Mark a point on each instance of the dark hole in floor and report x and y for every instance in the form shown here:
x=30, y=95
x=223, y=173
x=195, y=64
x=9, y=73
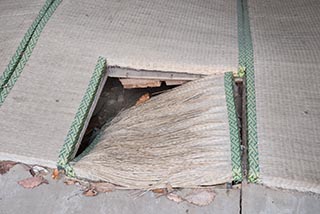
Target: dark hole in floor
x=113, y=99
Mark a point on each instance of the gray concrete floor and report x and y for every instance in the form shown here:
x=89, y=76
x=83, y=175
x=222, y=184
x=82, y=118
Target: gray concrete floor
x=263, y=200
x=56, y=197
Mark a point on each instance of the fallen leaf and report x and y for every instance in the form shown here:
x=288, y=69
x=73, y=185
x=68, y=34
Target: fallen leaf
x=5, y=166
x=32, y=182
x=90, y=192
x=55, y=174
x=103, y=187
x=174, y=197
x=70, y=182
x=160, y=191
x=143, y=99
x=200, y=197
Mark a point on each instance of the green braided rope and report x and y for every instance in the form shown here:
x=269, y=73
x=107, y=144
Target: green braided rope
x=77, y=125
x=26, y=46
x=233, y=128
x=19, y=52
x=246, y=64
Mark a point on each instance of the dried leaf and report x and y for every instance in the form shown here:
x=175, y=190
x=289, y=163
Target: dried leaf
x=32, y=182
x=90, y=192
x=103, y=187
x=5, y=166
x=200, y=197
x=55, y=174
x=174, y=197
x=143, y=99
x=70, y=182
x=160, y=191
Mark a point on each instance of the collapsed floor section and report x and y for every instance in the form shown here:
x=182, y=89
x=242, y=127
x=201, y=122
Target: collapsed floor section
x=179, y=138
x=119, y=94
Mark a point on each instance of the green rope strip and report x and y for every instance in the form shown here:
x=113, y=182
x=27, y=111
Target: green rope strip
x=77, y=125
x=233, y=128
x=19, y=52
x=25, y=48
x=246, y=64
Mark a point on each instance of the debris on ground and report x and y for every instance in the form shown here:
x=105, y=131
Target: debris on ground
x=175, y=197
x=38, y=170
x=143, y=99
x=199, y=197
x=95, y=188
x=30, y=183
x=103, y=187
x=160, y=191
x=5, y=166
x=71, y=182
x=90, y=192
x=163, y=191
x=55, y=174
